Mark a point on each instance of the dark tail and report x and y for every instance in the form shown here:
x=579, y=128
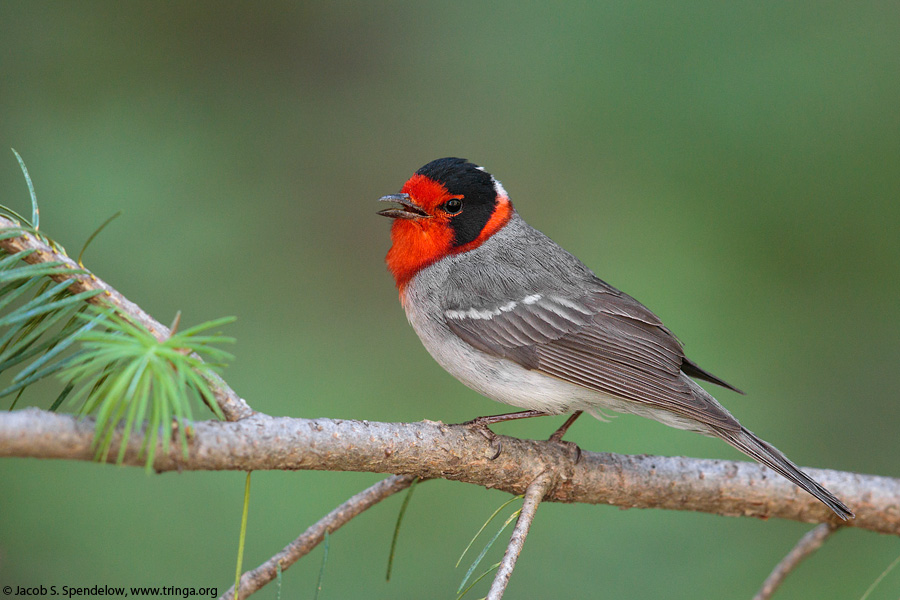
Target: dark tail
x=693, y=369
x=769, y=455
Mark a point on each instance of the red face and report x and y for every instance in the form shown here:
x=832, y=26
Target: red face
x=449, y=206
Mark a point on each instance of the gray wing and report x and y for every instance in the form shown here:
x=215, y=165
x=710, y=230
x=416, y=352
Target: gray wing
x=603, y=340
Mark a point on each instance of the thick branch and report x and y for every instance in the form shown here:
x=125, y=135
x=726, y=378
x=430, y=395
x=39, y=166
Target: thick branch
x=232, y=405
x=432, y=450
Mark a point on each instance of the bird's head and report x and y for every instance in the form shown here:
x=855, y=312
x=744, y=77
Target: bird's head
x=447, y=207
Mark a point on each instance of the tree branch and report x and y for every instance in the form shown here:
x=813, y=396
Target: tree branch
x=533, y=496
x=808, y=544
x=434, y=450
x=232, y=405
x=542, y=470
x=254, y=580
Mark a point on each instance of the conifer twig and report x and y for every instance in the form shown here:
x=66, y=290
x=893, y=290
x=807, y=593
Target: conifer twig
x=233, y=406
x=808, y=544
x=252, y=581
x=533, y=496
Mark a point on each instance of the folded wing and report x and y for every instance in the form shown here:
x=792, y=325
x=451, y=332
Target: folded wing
x=603, y=340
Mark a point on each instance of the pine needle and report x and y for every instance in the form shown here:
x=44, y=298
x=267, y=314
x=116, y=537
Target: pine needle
x=475, y=564
x=490, y=570
x=880, y=577
x=242, y=540
x=486, y=523
x=35, y=213
x=321, y=577
x=95, y=234
x=402, y=512
x=126, y=376
x=278, y=581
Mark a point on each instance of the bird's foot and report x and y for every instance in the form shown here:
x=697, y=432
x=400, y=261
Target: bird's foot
x=573, y=448
x=480, y=424
x=557, y=436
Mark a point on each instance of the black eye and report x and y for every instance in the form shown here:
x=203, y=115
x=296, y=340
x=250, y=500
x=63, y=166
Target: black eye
x=453, y=206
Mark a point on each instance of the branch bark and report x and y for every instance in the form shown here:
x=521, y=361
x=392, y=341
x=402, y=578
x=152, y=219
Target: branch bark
x=431, y=450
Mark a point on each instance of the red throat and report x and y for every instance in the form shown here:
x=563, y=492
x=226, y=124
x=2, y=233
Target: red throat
x=421, y=242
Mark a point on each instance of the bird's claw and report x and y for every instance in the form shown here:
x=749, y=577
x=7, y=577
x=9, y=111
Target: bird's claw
x=574, y=448
x=478, y=425
x=496, y=443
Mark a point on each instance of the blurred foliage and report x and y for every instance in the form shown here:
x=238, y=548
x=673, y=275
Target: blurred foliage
x=736, y=167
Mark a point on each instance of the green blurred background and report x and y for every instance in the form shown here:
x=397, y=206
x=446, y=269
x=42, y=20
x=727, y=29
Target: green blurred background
x=735, y=166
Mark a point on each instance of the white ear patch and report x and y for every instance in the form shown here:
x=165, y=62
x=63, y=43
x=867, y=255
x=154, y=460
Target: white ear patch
x=498, y=187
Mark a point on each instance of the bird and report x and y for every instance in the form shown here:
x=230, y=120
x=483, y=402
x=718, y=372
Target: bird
x=515, y=317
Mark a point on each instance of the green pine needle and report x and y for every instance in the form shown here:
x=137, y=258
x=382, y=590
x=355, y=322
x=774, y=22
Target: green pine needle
x=475, y=564
x=62, y=396
x=35, y=213
x=33, y=225
x=14, y=216
x=37, y=320
x=278, y=578
x=113, y=368
x=402, y=512
x=30, y=339
x=490, y=570
x=884, y=574
x=45, y=269
x=321, y=578
x=127, y=377
x=243, y=539
x=56, y=346
x=95, y=234
x=486, y=523
x=10, y=260
x=16, y=400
